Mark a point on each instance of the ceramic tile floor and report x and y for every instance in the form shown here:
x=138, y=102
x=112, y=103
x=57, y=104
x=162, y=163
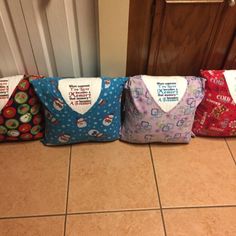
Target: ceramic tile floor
x=118, y=189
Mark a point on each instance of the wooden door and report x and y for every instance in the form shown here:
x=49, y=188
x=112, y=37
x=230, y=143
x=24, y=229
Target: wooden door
x=179, y=37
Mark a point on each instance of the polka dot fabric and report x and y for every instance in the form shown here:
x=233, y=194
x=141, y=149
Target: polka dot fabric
x=21, y=118
x=63, y=125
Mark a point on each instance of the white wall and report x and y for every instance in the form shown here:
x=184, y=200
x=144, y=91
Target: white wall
x=49, y=37
x=67, y=38
x=113, y=34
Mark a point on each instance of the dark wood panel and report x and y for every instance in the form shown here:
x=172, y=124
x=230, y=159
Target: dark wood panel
x=140, y=26
x=224, y=38
x=230, y=60
x=193, y=1
x=181, y=37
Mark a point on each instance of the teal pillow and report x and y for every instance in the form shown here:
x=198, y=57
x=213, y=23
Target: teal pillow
x=80, y=109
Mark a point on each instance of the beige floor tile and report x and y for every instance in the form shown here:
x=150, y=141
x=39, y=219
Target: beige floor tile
x=111, y=176
x=116, y=224
x=197, y=174
x=42, y=226
x=33, y=179
x=232, y=145
x=201, y=222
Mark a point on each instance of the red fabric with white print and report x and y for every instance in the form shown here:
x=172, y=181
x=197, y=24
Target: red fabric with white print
x=216, y=115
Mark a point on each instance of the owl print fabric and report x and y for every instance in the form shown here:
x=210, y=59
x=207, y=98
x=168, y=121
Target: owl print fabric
x=216, y=115
x=160, y=109
x=80, y=109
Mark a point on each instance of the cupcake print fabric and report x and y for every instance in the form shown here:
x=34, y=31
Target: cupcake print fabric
x=21, y=116
x=161, y=109
x=80, y=109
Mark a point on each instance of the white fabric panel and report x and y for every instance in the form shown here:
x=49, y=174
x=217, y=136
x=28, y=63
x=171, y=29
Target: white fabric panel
x=80, y=93
x=167, y=91
x=230, y=77
x=7, y=86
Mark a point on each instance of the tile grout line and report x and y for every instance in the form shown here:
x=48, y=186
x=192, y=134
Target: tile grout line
x=158, y=192
x=113, y=211
x=29, y=216
x=116, y=211
x=68, y=188
x=230, y=151
x=198, y=207
x=80, y=213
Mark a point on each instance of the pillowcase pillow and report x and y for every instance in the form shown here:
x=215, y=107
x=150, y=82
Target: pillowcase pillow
x=216, y=115
x=160, y=109
x=21, y=116
x=80, y=109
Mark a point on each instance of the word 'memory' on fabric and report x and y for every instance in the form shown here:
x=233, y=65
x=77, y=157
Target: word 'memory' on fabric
x=167, y=92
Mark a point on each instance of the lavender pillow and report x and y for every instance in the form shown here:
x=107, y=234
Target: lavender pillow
x=160, y=108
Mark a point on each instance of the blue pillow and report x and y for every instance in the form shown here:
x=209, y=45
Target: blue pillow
x=80, y=109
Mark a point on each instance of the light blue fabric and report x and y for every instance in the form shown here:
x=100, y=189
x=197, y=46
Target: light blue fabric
x=62, y=126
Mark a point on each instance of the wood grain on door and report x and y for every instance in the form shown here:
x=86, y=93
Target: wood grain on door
x=175, y=37
x=140, y=28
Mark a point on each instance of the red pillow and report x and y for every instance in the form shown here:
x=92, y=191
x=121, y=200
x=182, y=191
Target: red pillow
x=20, y=110
x=216, y=115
